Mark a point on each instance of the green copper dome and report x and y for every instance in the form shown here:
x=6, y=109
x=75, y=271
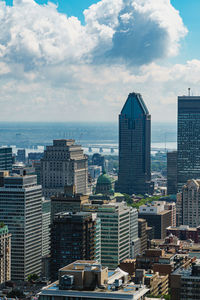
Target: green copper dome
x=104, y=179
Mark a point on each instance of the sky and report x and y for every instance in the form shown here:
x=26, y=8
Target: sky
x=77, y=60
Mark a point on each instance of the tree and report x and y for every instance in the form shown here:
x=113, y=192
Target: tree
x=32, y=277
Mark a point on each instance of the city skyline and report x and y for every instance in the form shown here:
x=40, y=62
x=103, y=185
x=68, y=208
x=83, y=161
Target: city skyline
x=60, y=66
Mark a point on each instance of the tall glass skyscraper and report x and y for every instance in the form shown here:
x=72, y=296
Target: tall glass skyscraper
x=134, y=147
x=188, y=161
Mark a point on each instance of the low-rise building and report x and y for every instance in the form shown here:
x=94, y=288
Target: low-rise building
x=158, y=284
x=90, y=280
x=184, y=232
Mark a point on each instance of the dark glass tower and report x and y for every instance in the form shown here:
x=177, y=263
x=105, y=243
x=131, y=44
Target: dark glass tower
x=188, y=164
x=134, y=147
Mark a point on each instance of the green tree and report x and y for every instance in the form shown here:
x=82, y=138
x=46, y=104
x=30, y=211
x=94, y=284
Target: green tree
x=32, y=277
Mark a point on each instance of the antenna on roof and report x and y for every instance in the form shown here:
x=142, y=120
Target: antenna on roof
x=189, y=91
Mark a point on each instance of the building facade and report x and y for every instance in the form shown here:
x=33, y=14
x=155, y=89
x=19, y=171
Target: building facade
x=188, y=159
x=134, y=147
x=90, y=280
x=172, y=173
x=191, y=203
x=6, y=159
x=184, y=233
x=64, y=164
x=73, y=236
x=5, y=254
x=46, y=222
x=69, y=201
x=21, y=211
x=119, y=232
x=157, y=217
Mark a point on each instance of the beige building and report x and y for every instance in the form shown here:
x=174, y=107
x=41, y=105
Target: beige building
x=5, y=254
x=191, y=203
x=68, y=201
x=64, y=164
x=90, y=280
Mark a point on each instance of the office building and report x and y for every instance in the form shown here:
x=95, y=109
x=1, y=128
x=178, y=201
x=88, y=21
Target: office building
x=64, y=164
x=185, y=282
x=6, y=159
x=90, y=280
x=21, y=211
x=188, y=160
x=119, y=232
x=69, y=201
x=134, y=147
x=142, y=234
x=179, y=211
x=5, y=254
x=46, y=222
x=21, y=155
x=94, y=171
x=172, y=173
x=99, y=160
x=72, y=237
x=191, y=203
x=157, y=217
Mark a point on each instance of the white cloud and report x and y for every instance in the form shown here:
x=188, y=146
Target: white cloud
x=131, y=30
x=54, y=68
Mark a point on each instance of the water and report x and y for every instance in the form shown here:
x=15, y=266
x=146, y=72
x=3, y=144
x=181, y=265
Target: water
x=95, y=135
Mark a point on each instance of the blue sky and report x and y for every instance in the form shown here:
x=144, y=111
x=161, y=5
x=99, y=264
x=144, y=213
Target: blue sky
x=53, y=68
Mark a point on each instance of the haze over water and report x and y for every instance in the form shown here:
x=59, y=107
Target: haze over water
x=29, y=135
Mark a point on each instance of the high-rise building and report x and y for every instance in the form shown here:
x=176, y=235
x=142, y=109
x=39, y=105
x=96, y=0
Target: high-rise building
x=191, y=203
x=6, y=159
x=5, y=254
x=69, y=201
x=142, y=233
x=46, y=222
x=134, y=147
x=119, y=232
x=157, y=217
x=64, y=164
x=21, y=155
x=72, y=237
x=21, y=211
x=188, y=160
x=172, y=173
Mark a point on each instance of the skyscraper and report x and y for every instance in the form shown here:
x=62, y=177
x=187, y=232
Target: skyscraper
x=21, y=211
x=72, y=237
x=134, y=147
x=191, y=203
x=188, y=164
x=172, y=172
x=6, y=158
x=119, y=231
x=64, y=164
